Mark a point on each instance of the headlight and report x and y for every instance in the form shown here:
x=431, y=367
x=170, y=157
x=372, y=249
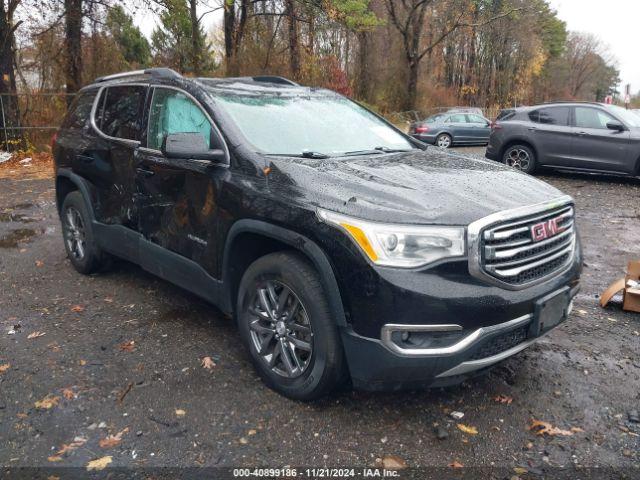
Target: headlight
x=406, y=246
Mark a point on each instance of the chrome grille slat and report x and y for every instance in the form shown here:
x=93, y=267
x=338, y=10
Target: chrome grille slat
x=518, y=270
x=508, y=253
x=498, y=252
x=499, y=233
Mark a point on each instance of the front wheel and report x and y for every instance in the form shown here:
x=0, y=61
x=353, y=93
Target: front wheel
x=444, y=140
x=285, y=322
x=79, y=241
x=520, y=157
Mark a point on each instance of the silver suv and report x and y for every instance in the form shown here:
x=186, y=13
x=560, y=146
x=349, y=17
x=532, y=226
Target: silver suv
x=570, y=136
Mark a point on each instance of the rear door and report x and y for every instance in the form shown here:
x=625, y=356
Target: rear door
x=595, y=146
x=480, y=128
x=551, y=134
x=178, y=198
x=109, y=163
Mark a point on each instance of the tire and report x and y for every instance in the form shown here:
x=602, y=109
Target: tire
x=520, y=157
x=79, y=240
x=296, y=373
x=444, y=140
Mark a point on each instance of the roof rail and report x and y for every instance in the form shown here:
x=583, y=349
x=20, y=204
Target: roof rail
x=571, y=101
x=158, y=72
x=275, y=79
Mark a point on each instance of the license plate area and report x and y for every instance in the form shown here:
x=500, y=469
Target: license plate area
x=549, y=312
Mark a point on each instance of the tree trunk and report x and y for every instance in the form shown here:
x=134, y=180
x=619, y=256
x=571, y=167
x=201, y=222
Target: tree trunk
x=364, y=66
x=294, y=43
x=73, y=46
x=196, y=47
x=10, y=109
x=229, y=21
x=412, y=85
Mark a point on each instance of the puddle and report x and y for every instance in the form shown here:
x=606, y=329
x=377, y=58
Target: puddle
x=15, y=217
x=15, y=237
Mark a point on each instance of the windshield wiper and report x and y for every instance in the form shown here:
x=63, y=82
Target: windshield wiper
x=373, y=151
x=305, y=154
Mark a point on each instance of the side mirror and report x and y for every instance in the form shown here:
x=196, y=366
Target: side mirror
x=190, y=146
x=616, y=126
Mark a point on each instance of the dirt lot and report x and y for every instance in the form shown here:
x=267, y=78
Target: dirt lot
x=110, y=366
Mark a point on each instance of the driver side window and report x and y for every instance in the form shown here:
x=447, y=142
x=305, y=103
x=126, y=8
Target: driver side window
x=174, y=112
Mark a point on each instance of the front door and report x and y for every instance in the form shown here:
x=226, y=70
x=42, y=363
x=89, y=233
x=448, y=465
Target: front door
x=480, y=128
x=178, y=197
x=597, y=147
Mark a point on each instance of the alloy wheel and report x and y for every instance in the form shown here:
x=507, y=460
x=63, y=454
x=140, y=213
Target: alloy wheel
x=280, y=329
x=444, y=141
x=518, y=159
x=74, y=233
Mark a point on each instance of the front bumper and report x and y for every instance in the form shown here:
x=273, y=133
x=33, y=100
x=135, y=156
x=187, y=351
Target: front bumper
x=379, y=364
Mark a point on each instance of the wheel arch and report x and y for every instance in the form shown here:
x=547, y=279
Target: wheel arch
x=67, y=182
x=250, y=239
x=518, y=141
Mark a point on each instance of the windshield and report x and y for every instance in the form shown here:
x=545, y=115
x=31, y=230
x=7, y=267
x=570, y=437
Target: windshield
x=629, y=118
x=292, y=125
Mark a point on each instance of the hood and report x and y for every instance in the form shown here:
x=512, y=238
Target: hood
x=417, y=187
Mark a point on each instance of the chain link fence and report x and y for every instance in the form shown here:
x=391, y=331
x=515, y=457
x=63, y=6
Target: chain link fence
x=28, y=120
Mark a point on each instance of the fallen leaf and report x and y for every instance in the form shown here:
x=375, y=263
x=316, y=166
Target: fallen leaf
x=113, y=440
x=99, y=464
x=251, y=432
x=47, y=402
x=456, y=464
x=127, y=346
x=503, y=399
x=520, y=470
x=467, y=429
x=21, y=415
x=108, y=299
x=243, y=441
x=77, y=308
x=180, y=412
x=69, y=394
x=82, y=363
x=208, y=363
x=391, y=462
x=36, y=335
x=545, y=428
x=67, y=447
x=5, y=367
x=39, y=263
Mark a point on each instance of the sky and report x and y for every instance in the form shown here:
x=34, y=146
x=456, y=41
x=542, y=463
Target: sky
x=616, y=23
x=617, y=27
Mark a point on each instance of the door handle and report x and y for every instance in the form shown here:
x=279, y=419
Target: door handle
x=145, y=172
x=86, y=158
x=532, y=129
x=581, y=134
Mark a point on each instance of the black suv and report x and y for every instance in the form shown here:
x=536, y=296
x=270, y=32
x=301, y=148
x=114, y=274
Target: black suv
x=344, y=250
x=590, y=137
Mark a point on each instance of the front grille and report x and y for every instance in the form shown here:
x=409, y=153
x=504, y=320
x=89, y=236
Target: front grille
x=509, y=253
x=501, y=343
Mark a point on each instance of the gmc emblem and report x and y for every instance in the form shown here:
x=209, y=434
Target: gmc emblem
x=543, y=230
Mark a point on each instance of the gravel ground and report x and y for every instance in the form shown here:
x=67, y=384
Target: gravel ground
x=116, y=358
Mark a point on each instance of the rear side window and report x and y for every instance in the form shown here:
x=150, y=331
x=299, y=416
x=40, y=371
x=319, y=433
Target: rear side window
x=476, y=119
x=458, y=118
x=119, y=113
x=506, y=114
x=551, y=116
x=174, y=112
x=79, y=111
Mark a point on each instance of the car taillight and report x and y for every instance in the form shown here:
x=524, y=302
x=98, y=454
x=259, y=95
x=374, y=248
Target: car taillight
x=54, y=137
x=422, y=129
x=495, y=126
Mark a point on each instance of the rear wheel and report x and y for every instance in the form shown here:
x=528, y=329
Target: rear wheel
x=444, y=140
x=79, y=241
x=520, y=157
x=285, y=322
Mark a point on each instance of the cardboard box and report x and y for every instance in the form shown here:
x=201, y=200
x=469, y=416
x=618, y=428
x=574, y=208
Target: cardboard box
x=630, y=286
